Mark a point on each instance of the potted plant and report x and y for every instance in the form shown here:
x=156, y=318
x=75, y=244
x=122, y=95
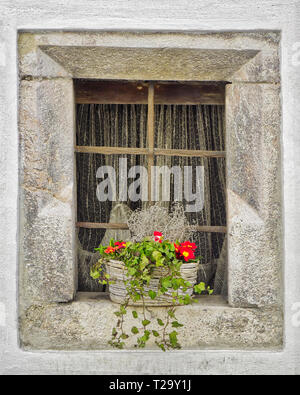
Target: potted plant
x=151, y=271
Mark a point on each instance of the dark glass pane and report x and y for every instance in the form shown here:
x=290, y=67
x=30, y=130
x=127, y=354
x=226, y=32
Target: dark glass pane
x=90, y=209
x=214, y=184
x=112, y=125
x=190, y=127
x=213, y=212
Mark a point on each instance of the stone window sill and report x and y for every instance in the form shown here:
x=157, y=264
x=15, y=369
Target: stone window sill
x=87, y=322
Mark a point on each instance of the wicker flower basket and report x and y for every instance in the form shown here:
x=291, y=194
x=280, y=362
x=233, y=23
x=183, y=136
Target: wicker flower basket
x=117, y=291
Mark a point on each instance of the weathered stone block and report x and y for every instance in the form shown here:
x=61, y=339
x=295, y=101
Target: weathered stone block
x=87, y=323
x=265, y=65
x=253, y=127
x=34, y=62
x=47, y=191
x=47, y=257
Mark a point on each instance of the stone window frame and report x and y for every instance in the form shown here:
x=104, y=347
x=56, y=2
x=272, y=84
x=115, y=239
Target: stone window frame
x=52, y=315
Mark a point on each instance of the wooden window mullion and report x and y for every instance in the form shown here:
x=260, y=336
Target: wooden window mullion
x=150, y=135
x=145, y=151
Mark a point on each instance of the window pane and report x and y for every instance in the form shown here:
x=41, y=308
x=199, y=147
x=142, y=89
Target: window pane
x=198, y=127
x=90, y=209
x=112, y=125
x=190, y=127
x=213, y=196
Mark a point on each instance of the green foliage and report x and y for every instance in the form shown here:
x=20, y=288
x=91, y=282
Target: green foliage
x=134, y=330
x=171, y=313
x=140, y=260
x=152, y=294
x=159, y=321
x=174, y=340
x=176, y=324
x=199, y=288
x=135, y=314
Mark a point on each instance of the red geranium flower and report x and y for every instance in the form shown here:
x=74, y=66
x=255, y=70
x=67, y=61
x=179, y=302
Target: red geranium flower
x=187, y=253
x=158, y=236
x=120, y=244
x=188, y=244
x=177, y=251
x=109, y=250
x=177, y=247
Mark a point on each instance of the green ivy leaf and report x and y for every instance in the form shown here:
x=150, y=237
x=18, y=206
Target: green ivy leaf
x=135, y=314
x=171, y=247
x=175, y=283
x=159, y=321
x=210, y=291
x=143, y=339
x=176, y=324
x=136, y=297
x=94, y=273
x=171, y=314
x=173, y=339
x=180, y=299
x=145, y=322
x=134, y=330
x=199, y=288
x=111, y=242
x=155, y=333
x=166, y=283
x=159, y=263
x=187, y=299
x=132, y=271
x=156, y=255
x=144, y=262
x=148, y=251
x=152, y=294
x=122, y=310
x=163, y=290
x=114, y=332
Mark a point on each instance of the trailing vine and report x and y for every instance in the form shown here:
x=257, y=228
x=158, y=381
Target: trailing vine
x=140, y=260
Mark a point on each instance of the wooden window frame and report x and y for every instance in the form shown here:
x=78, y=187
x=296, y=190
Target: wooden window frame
x=150, y=93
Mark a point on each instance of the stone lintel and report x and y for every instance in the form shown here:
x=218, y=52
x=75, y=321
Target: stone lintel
x=228, y=56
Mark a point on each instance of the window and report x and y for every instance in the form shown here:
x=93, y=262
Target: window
x=150, y=124
x=47, y=254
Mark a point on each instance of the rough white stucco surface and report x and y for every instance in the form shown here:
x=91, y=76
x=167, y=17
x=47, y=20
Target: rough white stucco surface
x=157, y=15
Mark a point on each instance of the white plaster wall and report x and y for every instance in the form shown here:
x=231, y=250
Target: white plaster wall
x=154, y=15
